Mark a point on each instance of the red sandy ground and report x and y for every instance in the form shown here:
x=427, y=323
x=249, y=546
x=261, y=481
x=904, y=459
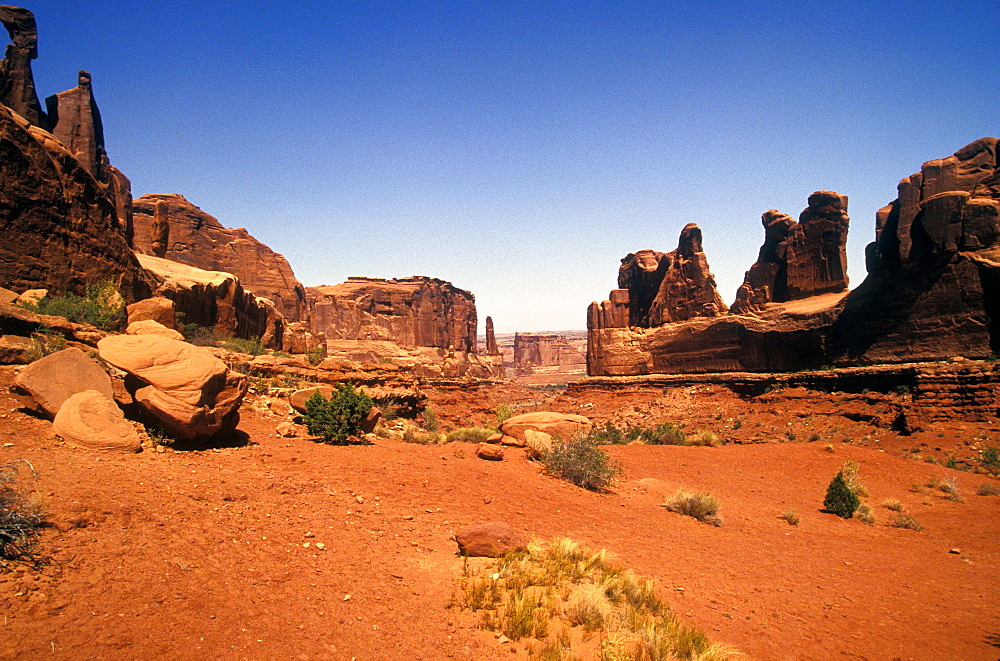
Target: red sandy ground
x=201, y=555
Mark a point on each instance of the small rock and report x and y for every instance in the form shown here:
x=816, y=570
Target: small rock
x=309, y=534
x=286, y=429
x=321, y=546
x=359, y=499
x=954, y=551
x=490, y=540
x=489, y=452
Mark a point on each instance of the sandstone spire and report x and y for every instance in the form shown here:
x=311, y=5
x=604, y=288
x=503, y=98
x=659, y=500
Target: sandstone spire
x=17, y=83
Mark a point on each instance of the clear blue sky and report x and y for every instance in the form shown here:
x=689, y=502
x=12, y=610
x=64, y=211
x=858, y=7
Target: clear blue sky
x=521, y=149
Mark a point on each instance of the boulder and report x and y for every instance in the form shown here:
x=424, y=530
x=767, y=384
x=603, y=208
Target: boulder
x=158, y=308
x=150, y=327
x=15, y=349
x=189, y=392
x=558, y=425
x=286, y=429
x=8, y=297
x=537, y=443
x=31, y=297
x=198, y=239
x=297, y=338
x=51, y=380
x=92, y=421
x=489, y=452
x=489, y=540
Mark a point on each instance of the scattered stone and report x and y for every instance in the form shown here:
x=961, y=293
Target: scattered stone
x=51, y=380
x=511, y=441
x=489, y=540
x=280, y=407
x=92, y=421
x=490, y=452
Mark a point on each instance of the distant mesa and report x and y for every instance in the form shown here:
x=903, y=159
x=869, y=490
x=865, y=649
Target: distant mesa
x=533, y=350
x=932, y=289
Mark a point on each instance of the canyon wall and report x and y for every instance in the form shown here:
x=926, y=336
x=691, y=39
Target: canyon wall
x=198, y=239
x=412, y=312
x=543, y=350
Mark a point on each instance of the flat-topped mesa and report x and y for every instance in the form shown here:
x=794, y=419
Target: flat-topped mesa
x=197, y=239
x=413, y=312
x=17, y=83
x=933, y=285
x=798, y=259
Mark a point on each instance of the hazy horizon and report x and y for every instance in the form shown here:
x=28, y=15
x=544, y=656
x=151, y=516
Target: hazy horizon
x=519, y=151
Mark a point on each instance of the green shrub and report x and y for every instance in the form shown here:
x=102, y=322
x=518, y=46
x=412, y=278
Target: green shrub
x=581, y=462
x=990, y=457
x=100, y=306
x=43, y=342
x=666, y=433
x=315, y=355
x=201, y=336
x=504, y=413
x=252, y=346
x=431, y=422
x=21, y=516
x=701, y=506
x=338, y=418
x=840, y=500
x=470, y=434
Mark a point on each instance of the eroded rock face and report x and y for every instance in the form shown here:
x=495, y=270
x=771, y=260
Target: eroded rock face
x=541, y=349
x=197, y=239
x=799, y=259
x=933, y=284
x=492, y=348
x=59, y=227
x=189, y=392
x=412, y=312
x=17, y=83
x=673, y=286
x=76, y=122
x=210, y=299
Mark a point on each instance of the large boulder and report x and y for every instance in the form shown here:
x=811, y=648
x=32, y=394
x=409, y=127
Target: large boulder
x=51, y=380
x=188, y=392
x=156, y=308
x=558, y=425
x=200, y=240
x=92, y=421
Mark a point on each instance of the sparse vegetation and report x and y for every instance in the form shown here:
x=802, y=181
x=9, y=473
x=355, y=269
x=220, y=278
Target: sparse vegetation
x=421, y=437
x=561, y=595
x=503, y=413
x=252, y=346
x=470, y=434
x=705, y=438
x=865, y=515
x=43, y=342
x=431, y=422
x=314, y=356
x=702, y=506
x=581, y=462
x=339, y=418
x=850, y=471
x=790, y=516
x=101, y=306
x=947, y=486
x=893, y=504
x=903, y=520
x=840, y=500
x=665, y=433
x=21, y=513
x=989, y=457
x=988, y=489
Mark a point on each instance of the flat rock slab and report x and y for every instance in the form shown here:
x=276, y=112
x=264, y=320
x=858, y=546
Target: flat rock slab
x=51, y=380
x=489, y=540
x=92, y=421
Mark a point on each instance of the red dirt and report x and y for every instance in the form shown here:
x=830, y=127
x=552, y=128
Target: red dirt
x=194, y=555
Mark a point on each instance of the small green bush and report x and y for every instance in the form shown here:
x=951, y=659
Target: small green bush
x=431, y=422
x=701, y=506
x=504, y=413
x=990, y=457
x=252, y=346
x=470, y=434
x=336, y=419
x=43, y=342
x=582, y=463
x=101, y=306
x=666, y=433
x=840, y=500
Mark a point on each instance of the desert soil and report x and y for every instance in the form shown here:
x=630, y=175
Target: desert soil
x=216, y=554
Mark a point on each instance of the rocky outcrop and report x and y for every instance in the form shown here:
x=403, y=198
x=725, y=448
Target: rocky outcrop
x=197, y=239
x=668, y=287
x=544, y=349
x=58, y=226
x=933, y=284
x=210, y=299
x=799, y=259
x=17, y=83
x=412, y=312
x=566, y=426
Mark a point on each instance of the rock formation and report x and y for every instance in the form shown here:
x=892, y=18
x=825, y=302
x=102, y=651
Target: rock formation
x=543, y=349
x=76, y=122
x=412, y=312
x=211, y=299
x=17, y=83
x=933, y=284
x=492, y=348
x=668, y=287
x=798, y=259
x=58, y=225
x=200, y=240
x=159, y=231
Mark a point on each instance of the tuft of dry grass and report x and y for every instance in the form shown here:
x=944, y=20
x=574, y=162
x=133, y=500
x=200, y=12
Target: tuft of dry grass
x=864, y=514
x=903, y=520
x=892, y=504
x=790, y=516
x=988, y=489
x=414, y=435
x=560, y=595
x=701, y=506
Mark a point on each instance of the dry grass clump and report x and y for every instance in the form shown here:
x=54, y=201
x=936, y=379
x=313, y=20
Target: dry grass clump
x=947, y=486
x=470, y=434
x=699, y=505
x=421, y=437
x=892, y=504
x=903, y=520
x=21, y=513
x=790, y=516
x=562, y=595
x=988, y=489
x=705, y=438
x=865, y=515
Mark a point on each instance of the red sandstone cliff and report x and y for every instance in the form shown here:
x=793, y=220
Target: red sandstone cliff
x=198, y=239
x=413, y=312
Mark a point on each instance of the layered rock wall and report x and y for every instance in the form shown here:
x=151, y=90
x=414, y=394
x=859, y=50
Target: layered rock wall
x=412, y=312
x=200, y=240
x=542, y=350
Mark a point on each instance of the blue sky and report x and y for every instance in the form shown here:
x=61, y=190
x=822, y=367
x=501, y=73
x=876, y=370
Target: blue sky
x=521, y=149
